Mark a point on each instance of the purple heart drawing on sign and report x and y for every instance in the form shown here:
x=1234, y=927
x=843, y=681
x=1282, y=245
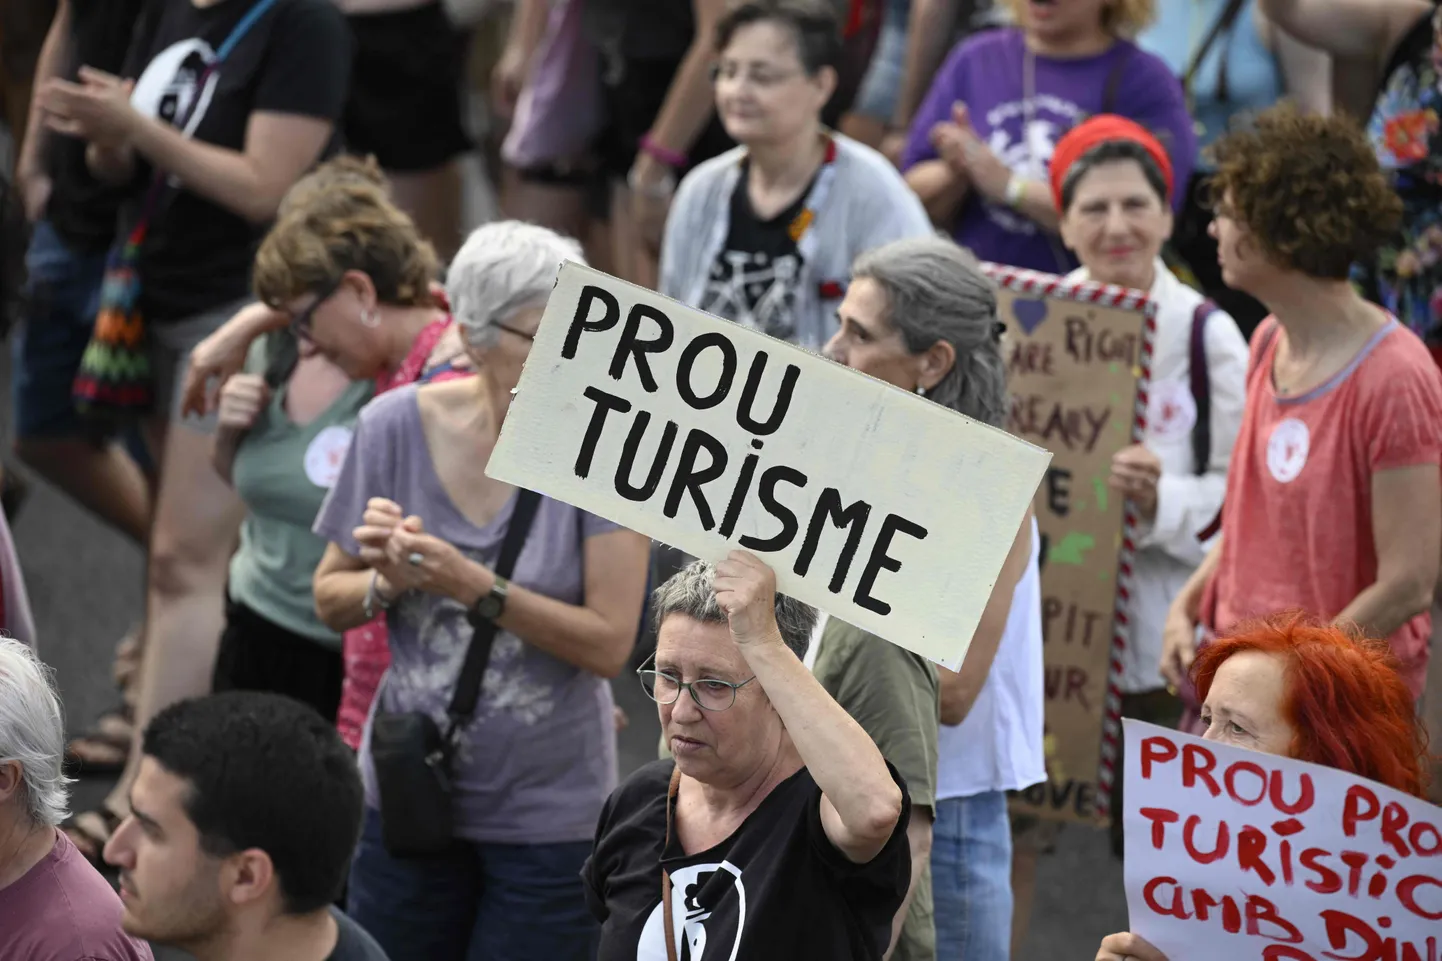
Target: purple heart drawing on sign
x=1029, y=313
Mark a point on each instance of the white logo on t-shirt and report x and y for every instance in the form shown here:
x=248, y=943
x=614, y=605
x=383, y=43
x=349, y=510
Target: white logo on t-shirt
x=1171, y=410
x=1287, y=449
x=693, y=902
x=324, y=456
x=166, y=88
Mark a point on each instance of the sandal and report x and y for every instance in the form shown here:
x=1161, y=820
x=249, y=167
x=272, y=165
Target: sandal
x=106, y=747
x=90, y=831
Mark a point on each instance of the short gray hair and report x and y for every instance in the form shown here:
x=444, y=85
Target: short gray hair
x=936, y=291
x=32, y=731
x=502, y=269
x=692, y=591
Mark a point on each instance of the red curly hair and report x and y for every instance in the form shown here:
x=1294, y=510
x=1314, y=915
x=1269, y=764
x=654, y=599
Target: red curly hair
x=1345, y=698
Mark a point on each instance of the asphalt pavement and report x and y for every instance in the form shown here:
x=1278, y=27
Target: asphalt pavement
x=85, y=584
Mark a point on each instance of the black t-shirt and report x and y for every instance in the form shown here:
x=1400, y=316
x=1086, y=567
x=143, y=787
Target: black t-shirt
x=640, y=29
x=776, y=889
x=82, y=209
x=354, y=943
x=294, y=60
x=757, y=273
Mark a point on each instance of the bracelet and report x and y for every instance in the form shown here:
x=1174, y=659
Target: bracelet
x=374, y=598
x=1015, y=191
x=667, y=156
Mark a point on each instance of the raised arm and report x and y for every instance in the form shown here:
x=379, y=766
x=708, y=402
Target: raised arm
x=860, y=802
x=30, y=175
x=1363, y=29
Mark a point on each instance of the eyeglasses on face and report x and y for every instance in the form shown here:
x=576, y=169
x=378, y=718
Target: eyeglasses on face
x=301, y=323
x=710, y=694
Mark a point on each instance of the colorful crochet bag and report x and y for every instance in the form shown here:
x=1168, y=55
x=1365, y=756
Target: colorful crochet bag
x=115, y=380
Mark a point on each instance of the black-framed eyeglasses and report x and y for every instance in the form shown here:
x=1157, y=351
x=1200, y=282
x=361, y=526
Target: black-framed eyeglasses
x=301, y=323
x=515, y=330
x=709, y=693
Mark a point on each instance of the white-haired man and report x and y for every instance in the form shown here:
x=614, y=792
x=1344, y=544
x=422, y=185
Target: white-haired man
x=53, y=905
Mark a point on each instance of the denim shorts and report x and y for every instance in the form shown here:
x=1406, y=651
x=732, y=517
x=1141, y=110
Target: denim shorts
x=476, y=902
x=971, y=878
x=62, y=296
x=881, y=86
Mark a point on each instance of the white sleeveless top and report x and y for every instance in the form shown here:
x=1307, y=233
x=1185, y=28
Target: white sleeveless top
x=999, y=745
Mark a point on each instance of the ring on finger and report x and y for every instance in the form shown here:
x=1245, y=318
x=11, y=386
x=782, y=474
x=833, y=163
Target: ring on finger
x=416, y=558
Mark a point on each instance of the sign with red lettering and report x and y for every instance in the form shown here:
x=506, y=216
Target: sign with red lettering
x=878, y=506
x=1252, y=857
x=1078, y=357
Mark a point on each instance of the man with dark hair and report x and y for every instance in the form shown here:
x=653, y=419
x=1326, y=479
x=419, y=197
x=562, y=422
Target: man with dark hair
x=244, y=815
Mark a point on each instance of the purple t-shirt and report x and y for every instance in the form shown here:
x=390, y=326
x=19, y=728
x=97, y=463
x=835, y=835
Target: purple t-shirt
x=987, y=72
x=63, y=910
x=538, y=759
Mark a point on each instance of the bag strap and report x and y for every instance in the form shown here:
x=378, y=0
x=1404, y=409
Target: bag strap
x=1201, y=382
x=483, y=630
x=157, y=189
x=1114, y=80
x=1224, y=24
x=666, y=921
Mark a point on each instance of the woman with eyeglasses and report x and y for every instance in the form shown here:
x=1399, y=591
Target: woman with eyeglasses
x=415, y=529
x=337, y=227
x=765, y=234
x=776, y=830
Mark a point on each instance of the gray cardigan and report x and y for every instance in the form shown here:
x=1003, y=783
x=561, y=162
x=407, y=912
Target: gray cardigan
x=868, y=205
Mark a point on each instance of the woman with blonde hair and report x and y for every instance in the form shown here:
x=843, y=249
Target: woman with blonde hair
x=980, y=147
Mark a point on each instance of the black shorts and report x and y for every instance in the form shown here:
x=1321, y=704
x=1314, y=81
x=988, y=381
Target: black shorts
x=632, y=104
x=258, y=655
x=405, y=104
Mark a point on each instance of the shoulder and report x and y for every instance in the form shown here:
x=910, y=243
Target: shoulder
x=1401, y=360
x=312, y=16
x=82, y=904
x=637, y=796
x=390, y=412
x=867, y=657
x=710, y=174
x=865, y=165
x=353, y=942
x=1143, y=64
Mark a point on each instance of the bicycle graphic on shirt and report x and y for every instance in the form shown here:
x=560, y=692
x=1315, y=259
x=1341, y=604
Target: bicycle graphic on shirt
x=755, y=290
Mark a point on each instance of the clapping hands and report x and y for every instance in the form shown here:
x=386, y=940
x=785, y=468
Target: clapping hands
x=968, y=156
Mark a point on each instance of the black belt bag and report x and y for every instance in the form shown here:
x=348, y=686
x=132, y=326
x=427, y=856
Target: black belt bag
x=412, y=758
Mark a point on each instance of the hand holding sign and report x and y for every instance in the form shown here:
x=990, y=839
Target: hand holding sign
x=1128, y=947
x=746, y=591
x=867, y=501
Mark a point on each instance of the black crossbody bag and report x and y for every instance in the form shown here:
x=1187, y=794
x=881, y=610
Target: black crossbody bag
x=412, y=759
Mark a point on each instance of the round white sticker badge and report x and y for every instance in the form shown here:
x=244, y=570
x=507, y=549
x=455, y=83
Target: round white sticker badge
x=325, y=455
x=1287, y=449
x=1171, y=409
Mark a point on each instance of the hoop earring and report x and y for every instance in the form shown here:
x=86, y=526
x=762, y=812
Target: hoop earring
x=369, y=319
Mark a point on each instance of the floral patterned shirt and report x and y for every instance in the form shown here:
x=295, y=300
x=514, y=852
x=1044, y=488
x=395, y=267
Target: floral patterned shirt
x=1406, y=277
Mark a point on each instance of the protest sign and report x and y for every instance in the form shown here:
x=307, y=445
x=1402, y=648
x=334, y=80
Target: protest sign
x=1078, y=356
x=869, y=502
x=1252, y=857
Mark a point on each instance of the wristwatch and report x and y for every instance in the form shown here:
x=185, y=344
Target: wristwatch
x=491, y=605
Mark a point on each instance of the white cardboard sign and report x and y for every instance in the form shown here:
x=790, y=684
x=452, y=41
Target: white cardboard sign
x=871, y=503
x=1251, y=857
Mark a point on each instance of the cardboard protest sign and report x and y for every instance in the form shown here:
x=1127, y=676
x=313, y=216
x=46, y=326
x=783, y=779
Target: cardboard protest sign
x=1246, y=856
x=871, y=503
x=1078, y=357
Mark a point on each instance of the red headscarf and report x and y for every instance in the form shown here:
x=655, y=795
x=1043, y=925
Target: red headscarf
x=1096, y=131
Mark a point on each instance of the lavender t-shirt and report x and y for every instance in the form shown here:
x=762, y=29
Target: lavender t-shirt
x=987, y=72
x=63, y=910
x=538, y=759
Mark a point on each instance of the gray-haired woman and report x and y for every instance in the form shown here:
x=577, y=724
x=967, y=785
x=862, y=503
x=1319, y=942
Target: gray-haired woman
x=415, y=528
x=777, y=830
x=921, y=315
